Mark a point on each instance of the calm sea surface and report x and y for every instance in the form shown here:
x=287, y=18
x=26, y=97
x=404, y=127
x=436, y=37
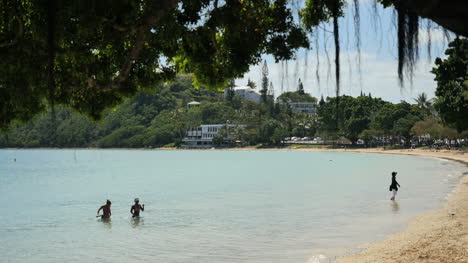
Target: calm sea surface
x=208, y=206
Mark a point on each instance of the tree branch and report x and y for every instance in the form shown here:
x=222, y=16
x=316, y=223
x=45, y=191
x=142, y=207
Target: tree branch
x=450, y=14
x=118, y=27
x=150, y=18
x=9, y=43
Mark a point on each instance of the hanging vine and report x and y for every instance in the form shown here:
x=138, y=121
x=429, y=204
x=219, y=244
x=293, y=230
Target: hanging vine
x=327, y=56
x=336, y=36
x=348, y=56
x=316, y=12
x=401, y=44
x=296, y=72
x=282, y=76
x=286, y=66
x=51, y=53
x=357, y=30
x=317, y=57
x=306, y=63
x=428, y=34
x=408, y=45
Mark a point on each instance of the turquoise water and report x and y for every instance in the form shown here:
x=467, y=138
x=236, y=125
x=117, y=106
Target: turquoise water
x=208, y=206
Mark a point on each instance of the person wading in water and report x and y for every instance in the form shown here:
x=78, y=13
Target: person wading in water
x=106, y=211
x=135, y=209
x=394, y=186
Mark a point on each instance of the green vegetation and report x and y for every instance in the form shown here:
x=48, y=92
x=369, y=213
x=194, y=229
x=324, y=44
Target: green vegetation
x=91, y=55
x=452, y=85
x=161, y=117
x=155, y=118
x=296, y=96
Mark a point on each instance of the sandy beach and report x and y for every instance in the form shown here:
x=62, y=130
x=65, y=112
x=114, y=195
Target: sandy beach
x=436, y=236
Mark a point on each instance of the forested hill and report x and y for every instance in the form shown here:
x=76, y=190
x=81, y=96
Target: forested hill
x=160, y=117
x=151, y=118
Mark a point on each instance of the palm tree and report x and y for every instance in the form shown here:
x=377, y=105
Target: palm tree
x=423, y=102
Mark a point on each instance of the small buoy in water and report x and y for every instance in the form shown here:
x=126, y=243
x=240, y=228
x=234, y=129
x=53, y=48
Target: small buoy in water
x=320, y=258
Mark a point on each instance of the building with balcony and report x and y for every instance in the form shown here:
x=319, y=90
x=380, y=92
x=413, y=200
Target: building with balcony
x=304, y=107
x=203, y=135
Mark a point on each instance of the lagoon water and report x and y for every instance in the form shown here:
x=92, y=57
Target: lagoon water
x=208, y=206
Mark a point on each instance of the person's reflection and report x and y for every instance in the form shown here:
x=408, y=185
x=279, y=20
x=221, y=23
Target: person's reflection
x=395, y=207
x=136, y=222
x=106, y=223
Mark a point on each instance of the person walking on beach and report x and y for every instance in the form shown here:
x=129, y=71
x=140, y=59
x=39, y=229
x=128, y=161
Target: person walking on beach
x=135, y=209
x=106, y=210
x=394, y=186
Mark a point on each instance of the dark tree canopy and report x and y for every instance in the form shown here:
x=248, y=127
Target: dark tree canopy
x=91, y=54
x=452, y=85
x=451, y=14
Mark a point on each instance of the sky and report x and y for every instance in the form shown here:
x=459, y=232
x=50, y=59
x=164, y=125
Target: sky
x=378, y=59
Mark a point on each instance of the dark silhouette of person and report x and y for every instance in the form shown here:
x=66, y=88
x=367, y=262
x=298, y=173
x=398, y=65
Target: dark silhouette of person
x=394, y=186
x=106, y=210
x=135, y=209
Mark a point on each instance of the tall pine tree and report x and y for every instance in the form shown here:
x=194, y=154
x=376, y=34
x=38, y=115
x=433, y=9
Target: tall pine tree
x=230, y=91
x=300, y=87
x=271, y=91
x=322, y=101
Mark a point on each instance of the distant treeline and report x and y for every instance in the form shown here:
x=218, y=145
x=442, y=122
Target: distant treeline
x=160, y=117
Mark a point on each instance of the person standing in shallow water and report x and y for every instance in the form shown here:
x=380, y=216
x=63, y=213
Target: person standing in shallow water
x=394, y=186
x=106, y=211
x=135, y=209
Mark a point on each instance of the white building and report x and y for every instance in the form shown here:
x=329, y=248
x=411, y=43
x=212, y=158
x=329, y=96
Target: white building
x=246, y=92
x=304, y=107
x=202, y=136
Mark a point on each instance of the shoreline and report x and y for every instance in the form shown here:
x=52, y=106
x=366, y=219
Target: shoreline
x=439, y=235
